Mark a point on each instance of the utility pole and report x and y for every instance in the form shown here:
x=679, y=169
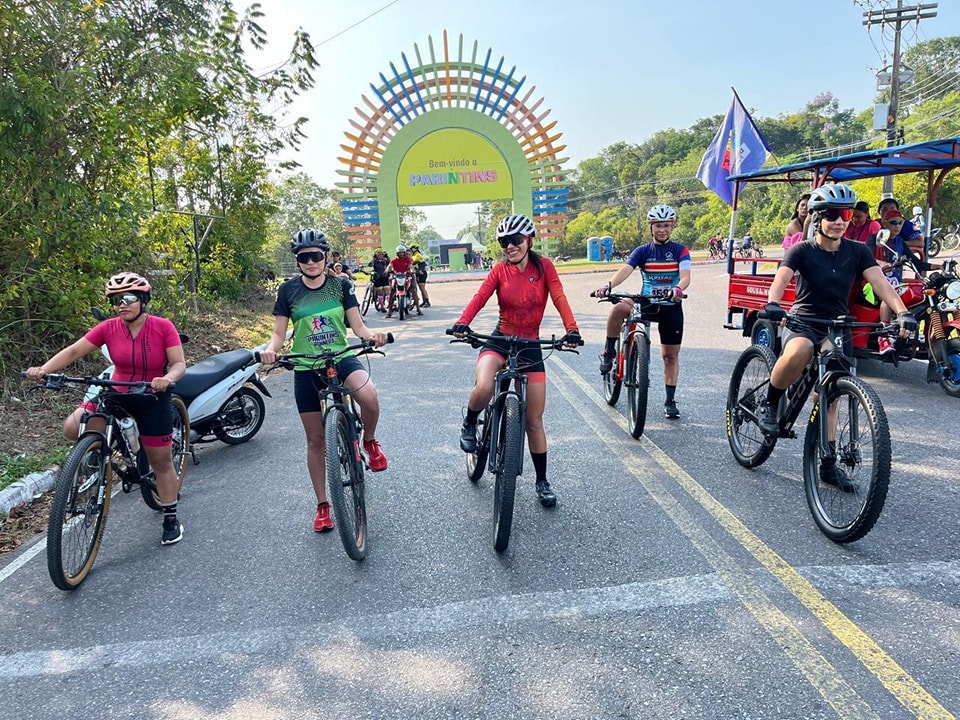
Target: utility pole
x=479, y=227
x=898, y=18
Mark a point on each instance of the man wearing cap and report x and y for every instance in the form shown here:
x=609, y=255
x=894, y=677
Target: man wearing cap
x=862, y=227
x=910, y=234
x=893, y=221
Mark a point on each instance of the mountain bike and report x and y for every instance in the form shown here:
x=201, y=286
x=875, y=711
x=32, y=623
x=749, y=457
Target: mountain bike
x=81, y=499
x=501, y=426
x=847, y=509
x=631, y=366
x=343, y=427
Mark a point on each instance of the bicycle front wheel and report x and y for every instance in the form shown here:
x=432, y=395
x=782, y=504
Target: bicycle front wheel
x=367, y=298
x=846, y=506
x=509, y=450
x=638, y=383
x=477, y=462
x=345, y=483
x=748, y=390
x=613, y=380
x=78, y=515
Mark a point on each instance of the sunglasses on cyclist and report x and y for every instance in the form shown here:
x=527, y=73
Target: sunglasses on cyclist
x=511, y=240
x=845, y=214
x=311, y=256
x=894, y=222
x=117, y=300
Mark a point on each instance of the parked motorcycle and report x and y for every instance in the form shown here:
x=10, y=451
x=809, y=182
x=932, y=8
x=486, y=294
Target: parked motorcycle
x=934, y=300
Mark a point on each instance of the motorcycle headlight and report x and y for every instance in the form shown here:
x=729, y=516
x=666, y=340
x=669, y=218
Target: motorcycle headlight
x=952, y=291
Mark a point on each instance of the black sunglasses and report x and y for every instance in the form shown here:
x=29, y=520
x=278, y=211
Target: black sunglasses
x=831, y=214
x=311, y=256
x=511, y=240
x=117, y=300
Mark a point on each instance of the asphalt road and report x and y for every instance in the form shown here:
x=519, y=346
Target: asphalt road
x=669, y=582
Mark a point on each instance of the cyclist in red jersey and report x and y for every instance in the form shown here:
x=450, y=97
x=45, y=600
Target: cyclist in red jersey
x=522, y=281
x=142, y=347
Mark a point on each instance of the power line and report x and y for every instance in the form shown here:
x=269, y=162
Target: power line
x=358, y=22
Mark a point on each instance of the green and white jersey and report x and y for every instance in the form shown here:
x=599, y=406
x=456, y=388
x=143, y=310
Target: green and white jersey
x=319, y=316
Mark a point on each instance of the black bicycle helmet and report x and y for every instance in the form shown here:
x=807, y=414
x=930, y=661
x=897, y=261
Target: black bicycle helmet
x=832, y=196
x=309, y=238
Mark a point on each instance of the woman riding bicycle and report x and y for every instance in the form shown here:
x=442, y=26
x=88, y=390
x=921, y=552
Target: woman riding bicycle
x=322, y=306
x=665, y=266
x=522, y=282
x=827, y=268
x=143, y=348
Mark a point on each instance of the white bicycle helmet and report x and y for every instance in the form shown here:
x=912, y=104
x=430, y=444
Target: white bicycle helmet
x=401, y=248
x=661, y=213
x=832, y=196
x=516, y=225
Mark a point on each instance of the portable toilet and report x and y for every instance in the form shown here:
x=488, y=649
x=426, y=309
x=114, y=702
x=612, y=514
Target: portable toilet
x=607, y=242
x=593, y=249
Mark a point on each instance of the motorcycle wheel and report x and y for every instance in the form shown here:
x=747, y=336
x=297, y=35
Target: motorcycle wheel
x=253, y=408
x=934, y=248
x=950, y=387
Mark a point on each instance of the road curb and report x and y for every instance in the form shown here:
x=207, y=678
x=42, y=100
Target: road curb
x=26, y=489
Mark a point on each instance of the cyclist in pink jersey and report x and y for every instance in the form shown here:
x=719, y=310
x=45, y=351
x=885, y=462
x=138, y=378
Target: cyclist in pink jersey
x=522, y=281
x=142, y=347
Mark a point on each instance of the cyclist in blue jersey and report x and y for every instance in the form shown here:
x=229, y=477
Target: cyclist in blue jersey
x=665, y=267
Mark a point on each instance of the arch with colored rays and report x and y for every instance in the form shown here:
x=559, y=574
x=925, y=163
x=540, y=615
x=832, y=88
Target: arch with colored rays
x=495, y=139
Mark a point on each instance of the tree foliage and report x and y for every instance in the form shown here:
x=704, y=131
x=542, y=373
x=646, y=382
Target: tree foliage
x=93, y=96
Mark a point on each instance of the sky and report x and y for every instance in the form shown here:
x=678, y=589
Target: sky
x=610, y=70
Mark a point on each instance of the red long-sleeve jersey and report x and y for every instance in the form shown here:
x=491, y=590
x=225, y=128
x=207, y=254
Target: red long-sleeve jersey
x=522, y=297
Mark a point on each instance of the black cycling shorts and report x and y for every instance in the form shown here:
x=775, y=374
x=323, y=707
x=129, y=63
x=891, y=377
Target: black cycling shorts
x=529, y=359
x=669, y=320
x=152, y=412
x=307, y=383
x=381, y=281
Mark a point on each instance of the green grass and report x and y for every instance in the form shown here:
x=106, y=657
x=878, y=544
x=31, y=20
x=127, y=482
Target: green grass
x=17, y=467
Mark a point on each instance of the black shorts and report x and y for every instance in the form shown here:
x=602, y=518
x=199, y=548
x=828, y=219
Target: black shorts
x=529, y=359
x=152, y=412
x=381, y=282
x=669, y=320
x=307, y=384
x=421, y=279
x=814, y=332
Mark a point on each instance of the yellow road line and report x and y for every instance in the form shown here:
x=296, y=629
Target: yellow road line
x=818, y=670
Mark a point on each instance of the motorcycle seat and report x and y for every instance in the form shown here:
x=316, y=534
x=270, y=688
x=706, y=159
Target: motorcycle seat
x=208, y=372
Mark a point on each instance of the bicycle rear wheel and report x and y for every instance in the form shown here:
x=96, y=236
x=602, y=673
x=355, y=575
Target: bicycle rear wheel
x=345, y=483
x=477, y=462
x=748, y=389
x=613, y=380
x=638, y=383
x=847, y=510
x=179, y=449
x=78, y=515
x=509, y=449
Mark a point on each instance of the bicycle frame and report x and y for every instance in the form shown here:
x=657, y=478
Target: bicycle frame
x=828, y=363
x=502, y=381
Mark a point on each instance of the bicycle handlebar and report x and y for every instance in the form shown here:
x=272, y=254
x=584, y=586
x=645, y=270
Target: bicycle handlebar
x=616, y=297
x=56, y=381
x=840, y=322
x=477, y=339
x=365, y=347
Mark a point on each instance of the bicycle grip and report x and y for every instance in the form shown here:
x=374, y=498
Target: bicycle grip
x=389, y=337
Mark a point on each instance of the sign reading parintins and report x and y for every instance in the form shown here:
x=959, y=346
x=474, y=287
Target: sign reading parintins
x=453, y=165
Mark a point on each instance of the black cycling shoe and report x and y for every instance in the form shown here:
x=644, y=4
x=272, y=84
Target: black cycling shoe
x=468, y=437
x=545, y=494
x=833, y=474
x=767, y=420
x=606, y=363
x=670, y=410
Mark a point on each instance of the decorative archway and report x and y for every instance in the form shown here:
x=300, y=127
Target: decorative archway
x=447, y=131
